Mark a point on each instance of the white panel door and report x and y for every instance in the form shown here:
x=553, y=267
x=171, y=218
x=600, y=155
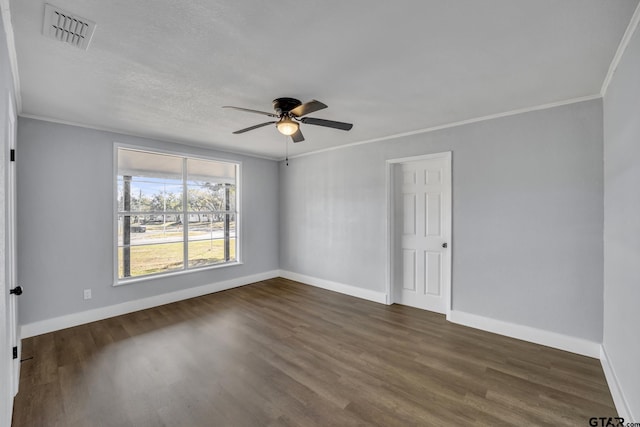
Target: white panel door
x=422, y=233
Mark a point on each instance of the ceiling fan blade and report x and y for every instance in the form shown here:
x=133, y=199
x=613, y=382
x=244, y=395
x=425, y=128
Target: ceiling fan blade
x=297, y=137
x=307, y=108
x=252, y=111
x=326, y=123
x=253, y=127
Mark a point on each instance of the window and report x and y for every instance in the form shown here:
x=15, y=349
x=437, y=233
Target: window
x=174, y=213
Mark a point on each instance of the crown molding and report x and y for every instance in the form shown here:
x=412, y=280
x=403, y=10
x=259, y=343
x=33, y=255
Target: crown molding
x=454, y=124
x=146, y=136
x=626, y=38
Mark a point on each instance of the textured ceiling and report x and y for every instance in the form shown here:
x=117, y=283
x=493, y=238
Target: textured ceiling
x=164, y=68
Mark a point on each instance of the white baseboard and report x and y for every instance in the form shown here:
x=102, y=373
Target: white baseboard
x=527, y=333
x=619, y=400
x=354, y=291
x=75, y=319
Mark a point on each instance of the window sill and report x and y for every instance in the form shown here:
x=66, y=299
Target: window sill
x=123, y=282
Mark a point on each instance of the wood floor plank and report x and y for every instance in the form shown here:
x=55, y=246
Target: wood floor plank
x=279, y=353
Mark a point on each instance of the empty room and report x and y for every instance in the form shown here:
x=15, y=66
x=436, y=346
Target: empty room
x=414, y=213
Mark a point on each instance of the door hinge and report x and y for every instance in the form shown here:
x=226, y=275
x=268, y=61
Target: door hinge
x=12, y=154
x=15, y=352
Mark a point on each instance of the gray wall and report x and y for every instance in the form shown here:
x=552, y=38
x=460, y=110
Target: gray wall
x=622, y=224
x=527, y=216
x=65, y=233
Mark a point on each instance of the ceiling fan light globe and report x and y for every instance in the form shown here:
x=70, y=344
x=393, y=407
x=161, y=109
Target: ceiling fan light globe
x=288, y=127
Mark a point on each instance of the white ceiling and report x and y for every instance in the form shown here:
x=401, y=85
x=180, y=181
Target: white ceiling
x=164, y=68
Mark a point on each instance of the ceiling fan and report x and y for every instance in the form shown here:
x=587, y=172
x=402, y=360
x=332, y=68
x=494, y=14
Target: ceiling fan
x=289, y=112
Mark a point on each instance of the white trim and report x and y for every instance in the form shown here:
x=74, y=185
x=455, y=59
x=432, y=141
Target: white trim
x=11, y=48
x=527, y=333
x=622, y=406
x=354, y=291
x=202, y=146
x=75, y=319
x=353, y=144
x=11, y=236
x=447, y=155
x=114, y=212
x=389, y=272
x=172, y=273
x=171, y=152
x=455, y=124
x=624, y=42
x=442, y=155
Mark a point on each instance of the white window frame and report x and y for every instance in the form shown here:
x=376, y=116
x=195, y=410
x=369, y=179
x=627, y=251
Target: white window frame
x=185, y=269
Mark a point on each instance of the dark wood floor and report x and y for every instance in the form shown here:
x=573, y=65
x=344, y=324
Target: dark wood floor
x=278, y=353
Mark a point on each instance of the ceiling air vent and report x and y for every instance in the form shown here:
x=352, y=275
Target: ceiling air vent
x=67, y=27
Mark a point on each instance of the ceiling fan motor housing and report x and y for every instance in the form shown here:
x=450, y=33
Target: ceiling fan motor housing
x=284, y=105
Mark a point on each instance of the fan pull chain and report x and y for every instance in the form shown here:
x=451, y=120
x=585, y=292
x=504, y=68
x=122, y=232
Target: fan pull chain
x=286, y=150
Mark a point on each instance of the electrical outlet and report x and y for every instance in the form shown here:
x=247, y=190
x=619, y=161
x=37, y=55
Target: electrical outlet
x=87, y=294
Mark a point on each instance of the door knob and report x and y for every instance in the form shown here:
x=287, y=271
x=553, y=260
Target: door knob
x=444, y=245
x=16, y=291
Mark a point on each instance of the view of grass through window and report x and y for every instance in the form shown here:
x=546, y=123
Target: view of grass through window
x=174, y=213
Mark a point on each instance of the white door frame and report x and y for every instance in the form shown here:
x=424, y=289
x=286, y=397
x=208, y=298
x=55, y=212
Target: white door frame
x=8, y=326
x=391, y=227
x=12, y=267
